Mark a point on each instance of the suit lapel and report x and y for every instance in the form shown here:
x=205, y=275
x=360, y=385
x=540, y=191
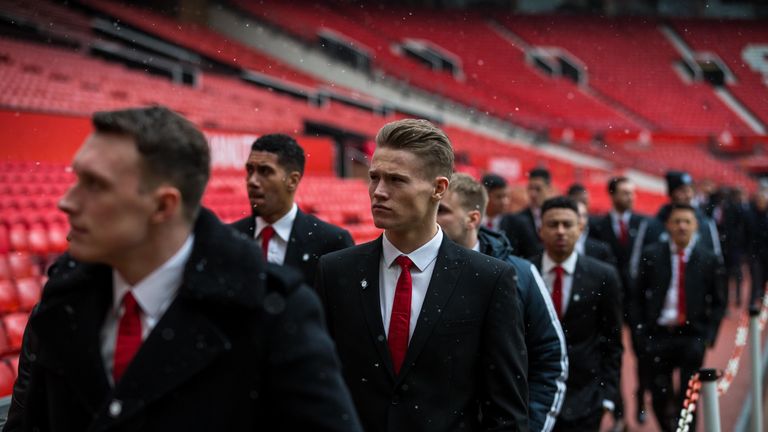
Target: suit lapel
x=72, y=323
x=441, y=286
x=371, y=302
x=297, y=242
x=576, y=297
x=182, y=344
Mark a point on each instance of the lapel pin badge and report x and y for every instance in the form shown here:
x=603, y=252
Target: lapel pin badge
x=364, y=284
x=576, y=297
x=305, y=257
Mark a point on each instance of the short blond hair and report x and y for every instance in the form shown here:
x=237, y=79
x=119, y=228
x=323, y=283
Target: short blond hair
x=472, y=194
x=423, y=139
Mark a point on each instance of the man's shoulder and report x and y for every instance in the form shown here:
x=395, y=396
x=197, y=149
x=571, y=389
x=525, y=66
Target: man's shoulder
x=244, y=225
x=596, y=267
x=321, y=225
x=353, y=253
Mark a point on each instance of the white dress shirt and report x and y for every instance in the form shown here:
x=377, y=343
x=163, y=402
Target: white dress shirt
x=153, y=294
x=668, y=316
x=421, y=273
x=279, y=243
x=548, y=274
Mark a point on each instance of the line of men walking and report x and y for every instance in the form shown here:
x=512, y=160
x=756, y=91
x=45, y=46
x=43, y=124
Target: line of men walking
x=413, y=331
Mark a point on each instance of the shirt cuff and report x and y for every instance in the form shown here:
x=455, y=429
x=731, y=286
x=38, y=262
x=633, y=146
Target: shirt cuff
x=609, y=405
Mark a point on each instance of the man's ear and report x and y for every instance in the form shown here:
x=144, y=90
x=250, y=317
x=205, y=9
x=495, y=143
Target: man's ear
x=167, y=203
x=441, y=187
x=292, y=180
x=475, y=218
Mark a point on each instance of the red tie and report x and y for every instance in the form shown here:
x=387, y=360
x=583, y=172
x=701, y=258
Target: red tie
x=557, y=291
x=623, y=233
x=266, y=235
x=400, y=321
x=128, y=336
x=681, y=288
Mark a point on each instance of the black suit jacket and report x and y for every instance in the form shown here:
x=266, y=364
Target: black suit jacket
x=599, y=250
x=466, y=362
x=592, y=327
x=602, y=229
x=310, y=239
x=232, y=352
x=705, y=291
x=520, y=229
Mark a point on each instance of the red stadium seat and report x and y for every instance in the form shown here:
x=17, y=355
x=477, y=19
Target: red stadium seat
x=5, y=268
x=7, y=379
x=57, y=237
x=22, y=265
x=9, y=299
x=15, y=324
x=38, y=239
x=19, y=237
x=5, y=241
x=28, y=291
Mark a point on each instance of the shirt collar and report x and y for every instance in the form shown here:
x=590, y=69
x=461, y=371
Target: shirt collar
x=623, y=216
x=282, y=226
x=687, y=250
x=421, y=257
x=569, y=265
x=155, y=292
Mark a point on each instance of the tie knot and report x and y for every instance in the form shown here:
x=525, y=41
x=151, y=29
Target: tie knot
x=129, y=302
x=404, y=262
x=267, y=232
x=681, y=253
x=558, y=270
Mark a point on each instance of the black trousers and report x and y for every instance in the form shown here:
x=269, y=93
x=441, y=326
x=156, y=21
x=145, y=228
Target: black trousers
x=667, y=351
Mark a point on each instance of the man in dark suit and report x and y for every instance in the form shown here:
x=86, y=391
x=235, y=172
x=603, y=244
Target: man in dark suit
x=620, y=229
x=680, y=297
x=587, y=297
x=680, y=191
x=459, y=215
x=160, y=317
x=589, y=246
x=523, y=227
x=287, y=235
x=498, y=200
x=430, y=334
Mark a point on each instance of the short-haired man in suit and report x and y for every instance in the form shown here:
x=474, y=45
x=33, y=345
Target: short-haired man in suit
x=430, y=334
x=620, y=229
x=498, y=200
x=589, y=246
x=523, y=227
x=459, y=216
x=587, y=297
x=680, y=299
x=287, y=235
x=159, y=317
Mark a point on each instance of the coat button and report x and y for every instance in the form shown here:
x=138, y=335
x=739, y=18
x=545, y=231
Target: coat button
x=115, y=408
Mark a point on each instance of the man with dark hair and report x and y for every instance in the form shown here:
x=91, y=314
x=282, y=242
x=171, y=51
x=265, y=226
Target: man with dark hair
x=459, y=216
x=498, y=200
x=680, y=301
x=159, y=317
x=620, y=229
x=523, y=227
x=430, y=334
x=589, y=246
x=587, y=298
x=680, y=191
x=287, y=235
